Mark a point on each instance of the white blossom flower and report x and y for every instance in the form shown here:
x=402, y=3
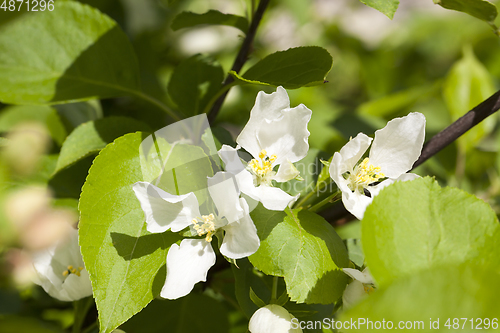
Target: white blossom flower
x=361, y=286
x=189, y=263
x=394, y=150
x=275, y=135
x=61, y=271
x=273, y=318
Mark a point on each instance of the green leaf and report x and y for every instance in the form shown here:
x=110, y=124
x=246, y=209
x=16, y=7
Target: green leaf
x=45, y=115
x=75, y=114
x=194, y=82
x=68, y=182
x=355, y=249
x=461, y=291
x=256, y=299
x=480, y=9
x=176, y=168
x=468, y=83
x=71, y=53
x=126, y=263
x=293, y=68
x=412, y=226
x=189, y=19
x=246, y=279
x=191, y=314
x=303, y=248
x=386, y=7
x=91, y=137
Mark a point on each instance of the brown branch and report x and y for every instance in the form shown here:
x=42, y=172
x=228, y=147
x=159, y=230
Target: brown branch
x=459, y=127
x=241, y=58
x=340, y=215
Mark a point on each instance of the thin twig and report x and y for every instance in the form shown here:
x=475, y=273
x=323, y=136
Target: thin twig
x=433, y=146
x=241, y=58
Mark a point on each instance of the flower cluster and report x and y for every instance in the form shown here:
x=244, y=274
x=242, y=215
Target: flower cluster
x=276, y=136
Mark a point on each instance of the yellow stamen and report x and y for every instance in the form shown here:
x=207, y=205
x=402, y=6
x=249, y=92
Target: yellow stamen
x=263, y=168
x=363, y=175
x=71, y=270
x=205, y=225
x=368, y=288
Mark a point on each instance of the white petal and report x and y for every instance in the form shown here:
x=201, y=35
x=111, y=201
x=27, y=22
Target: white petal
x=398, y=145
x=272, y=318
x=267, y=106
x=187, y=265
x=337, y=168
x=286, y=137
x=272, y=198
x=225, y=193
x=375, y=190
x=52, y=262
x=353, y=293
x=353, y=150
x=356, y=203
x=165, y=211
x=241, y=238
x=77, y=287
x=286, y=172
x=232, y=162
x=363, y=277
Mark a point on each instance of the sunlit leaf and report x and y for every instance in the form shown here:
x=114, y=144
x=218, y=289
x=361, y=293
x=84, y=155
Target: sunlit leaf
x=451, y=294
x=386, y=7
x=91, y=137
x=480, y=9
x=412, y=226
x=293, y=68
x=212, y=17
x=71, y=53
x=303, y=248
x=125, y=262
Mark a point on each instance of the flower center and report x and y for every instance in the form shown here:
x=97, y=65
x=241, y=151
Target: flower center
x=363, y=175
x=205, y=225
x=72, y=270
x=262, y=168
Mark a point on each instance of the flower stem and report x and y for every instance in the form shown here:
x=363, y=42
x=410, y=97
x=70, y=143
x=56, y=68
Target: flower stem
x=319, y=187
x=224, y=89
x=82, y=306
x=274, y=291
x=330, y=199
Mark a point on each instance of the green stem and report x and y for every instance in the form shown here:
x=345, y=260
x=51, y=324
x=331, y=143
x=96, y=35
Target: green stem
x=496, y=30
x=331, y=199
x=157, y=103
x=81, y=308
x=214, y=99
x=274, y=292
x=309, y=195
